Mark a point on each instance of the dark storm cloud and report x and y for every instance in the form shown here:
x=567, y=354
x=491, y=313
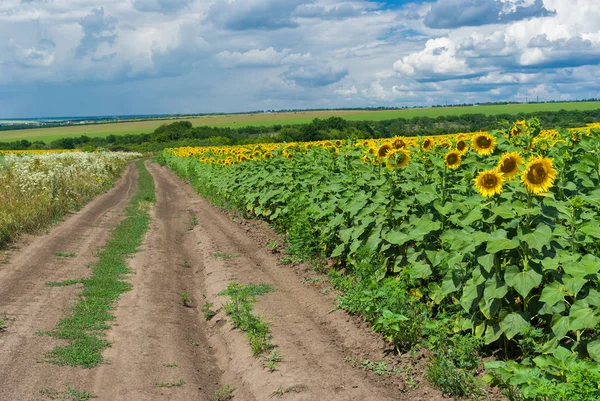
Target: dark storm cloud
x=97, y=29
x=241, y=15
x=449, y=14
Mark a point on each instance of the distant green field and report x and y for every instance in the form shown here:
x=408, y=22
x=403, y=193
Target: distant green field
x=268, y=119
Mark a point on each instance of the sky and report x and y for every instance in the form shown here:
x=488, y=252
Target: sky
x=117, y=57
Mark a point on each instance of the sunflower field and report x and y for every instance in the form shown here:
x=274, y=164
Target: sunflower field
x=36, y=188
x=490, y=239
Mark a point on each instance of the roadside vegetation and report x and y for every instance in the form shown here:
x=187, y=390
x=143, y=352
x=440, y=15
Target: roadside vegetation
x=38, y=189
x=84, y=329
x=470, y=245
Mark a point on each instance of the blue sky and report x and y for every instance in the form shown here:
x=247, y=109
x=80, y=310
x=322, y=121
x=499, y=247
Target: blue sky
x=98, y=57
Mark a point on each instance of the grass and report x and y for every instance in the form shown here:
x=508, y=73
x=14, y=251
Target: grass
x=3, y=323
x=70, y=394
x=207, y=311
x=270, y=119
x=84, y=328
x=170, y=365
x=240, y=308
x=63, y=283
x=65, y=255
x=170, y=385
x=221, y=255
x=224, y=393
x=185, y=298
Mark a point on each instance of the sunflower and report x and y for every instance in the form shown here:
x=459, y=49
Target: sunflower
x=397, y=158
x=539, y=175
x=509, y=164
x=383, y=150
x=427, y=143
x=453, y=159
x=484, y=144
x=398, y=144
x=289, y=156
x=518, y=128
x=489, y=183
x=338, y=143
x=462, y=146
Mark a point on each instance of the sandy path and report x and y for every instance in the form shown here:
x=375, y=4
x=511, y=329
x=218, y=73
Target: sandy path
x=31, y=305
x=313, y=340
x=156, y=339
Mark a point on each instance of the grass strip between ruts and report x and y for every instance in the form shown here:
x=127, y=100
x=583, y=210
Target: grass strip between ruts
x=85, y=328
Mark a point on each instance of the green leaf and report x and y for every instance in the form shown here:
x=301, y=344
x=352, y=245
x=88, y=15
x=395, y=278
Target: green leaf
x=489, y=307
x=593, y=349
x=449, y=283
x=513, y=323
x=338, y=251
x=498, y=242
x=487, y=261
x=540, y=237
x=592, y=229
x=560, y=326
x=522, y=281
x=494, y=289
x=397, y=237
x=504, y=211
x=420, y=270
x=492, y=333
x=471, y=291
x=553, y=292
x=588, y=265
x=582, y=317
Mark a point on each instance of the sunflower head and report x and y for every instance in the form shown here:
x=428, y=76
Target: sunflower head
x=398, y=144
x=384, y=150
x=489, y=183
x=509, y=165
x=462, y=146
x=539, y=175
x=397, y=158
x=484, y=144
x=453, y=159
x=338, y=143
x=427, y=143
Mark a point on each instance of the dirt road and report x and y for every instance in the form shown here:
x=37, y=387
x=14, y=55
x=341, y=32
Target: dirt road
x=162, y=350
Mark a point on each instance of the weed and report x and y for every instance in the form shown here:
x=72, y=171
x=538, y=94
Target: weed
x=222, y=255
x=193, y=221
x=380, y=368
x=84, y=329
x=289, y=260
x=207, y=311
x=195, y=343
x=311, y=280
x=326, y=290
x=65, y=255
x=280, y=392
x=240, y=308
x=443, y=373
x=273, y=246
x=170, y=385
x=224, y=393
x=63, y=283
x=70, y=394
x=272, y=359
x=3, y=326
x=185, y=299
x=186, y=263
x=170, y=365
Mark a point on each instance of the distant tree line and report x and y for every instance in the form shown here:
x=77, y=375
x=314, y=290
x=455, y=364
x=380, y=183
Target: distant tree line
x=182, y=133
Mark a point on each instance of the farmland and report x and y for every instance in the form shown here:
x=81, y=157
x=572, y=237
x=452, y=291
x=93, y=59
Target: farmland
x=404, y=268
x=464, y=243
x=285, y=118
